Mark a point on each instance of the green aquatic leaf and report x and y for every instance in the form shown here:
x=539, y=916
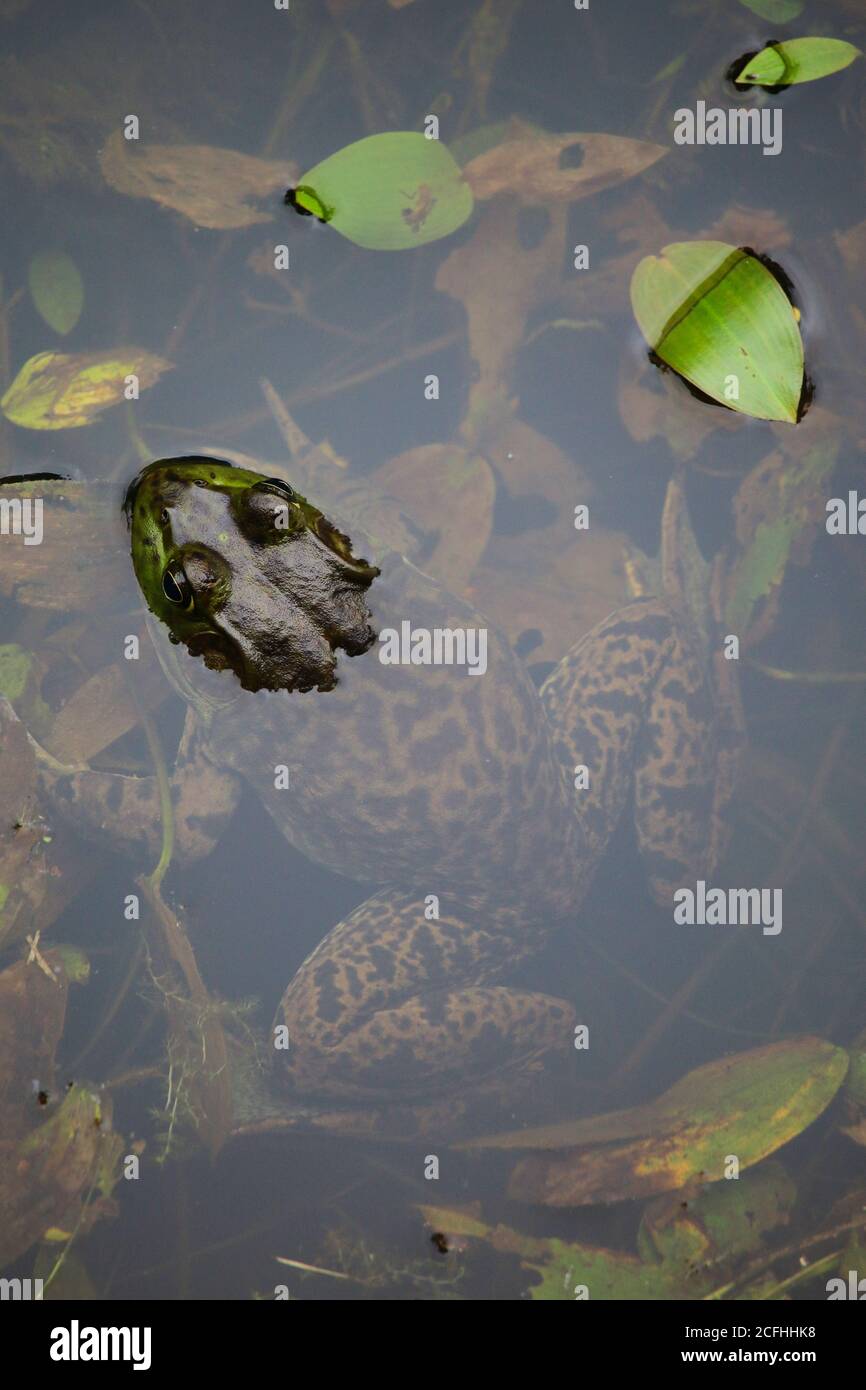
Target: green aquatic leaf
x=684, y=1247
x=59, y=391
x=791, y=493
x=718, y=317
x=389, y=192
x=724, y=1220
x=15, y=666
x=779, y=11
x=56, y=289
x=798, y=60
x=749, y=1104
x=766, y=68
x=761, y=569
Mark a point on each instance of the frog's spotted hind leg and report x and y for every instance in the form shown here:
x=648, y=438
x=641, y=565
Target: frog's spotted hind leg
x=632, y=702
x=391, y=1005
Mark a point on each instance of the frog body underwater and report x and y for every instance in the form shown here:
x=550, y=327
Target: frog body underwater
x=432, y=783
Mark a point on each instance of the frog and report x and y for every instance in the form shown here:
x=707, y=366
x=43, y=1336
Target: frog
x=471, y=804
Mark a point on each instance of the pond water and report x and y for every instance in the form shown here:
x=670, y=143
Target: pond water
x=493, y=381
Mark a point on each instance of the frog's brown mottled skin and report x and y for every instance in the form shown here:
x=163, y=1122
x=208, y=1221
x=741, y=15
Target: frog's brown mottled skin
x=490, y=820
x=423, y=780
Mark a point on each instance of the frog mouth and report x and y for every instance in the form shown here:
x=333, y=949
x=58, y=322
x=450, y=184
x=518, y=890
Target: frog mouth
x=219, y=653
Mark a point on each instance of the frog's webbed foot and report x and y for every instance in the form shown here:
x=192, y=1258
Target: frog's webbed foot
x=391, y=1005
x=632, y=703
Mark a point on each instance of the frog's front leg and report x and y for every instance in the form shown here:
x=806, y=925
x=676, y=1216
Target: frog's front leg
x=391, y=1005
x=631, y=703
x=124, y=810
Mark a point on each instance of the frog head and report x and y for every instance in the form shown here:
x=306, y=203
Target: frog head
x=247, y=574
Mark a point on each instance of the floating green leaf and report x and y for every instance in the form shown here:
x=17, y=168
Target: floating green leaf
x=57, y=289
x=389, y=192
x=779, y=11
x=766, y=68
x=717, y=316
x=306, y=198
x=56, y=391
x=798, y=60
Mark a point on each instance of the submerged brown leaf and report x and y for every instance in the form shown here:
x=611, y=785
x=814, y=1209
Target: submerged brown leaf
x=445, y=489
x=84, y=561
x=102, y=709
x=529, y=166
x=545, y=603
x=54, y=1147
x=654, y=404
x=500, y=282
x=212, y=187
x=22, y=857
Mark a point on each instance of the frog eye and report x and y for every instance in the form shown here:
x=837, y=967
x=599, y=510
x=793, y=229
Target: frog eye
x=176, y=587
x=277, y=485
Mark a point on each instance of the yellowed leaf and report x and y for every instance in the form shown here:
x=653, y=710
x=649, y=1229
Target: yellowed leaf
x=749, y=1104
x=60, y=391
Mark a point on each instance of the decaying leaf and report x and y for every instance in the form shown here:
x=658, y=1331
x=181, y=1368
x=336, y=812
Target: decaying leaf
x=60, y=391
x=212, y=187
x=723, y=1221
x=102, y=709
x=445, y=489
x=55, y=1146
x=84, y=562
x=852, y=245
x=686, y=1248
x=528, y=165
x=545, y=602
x=749, y=1105
x=653, y=404
x=855, y=1093
x=22, y=855
x=40, y=872
x=499, y=282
